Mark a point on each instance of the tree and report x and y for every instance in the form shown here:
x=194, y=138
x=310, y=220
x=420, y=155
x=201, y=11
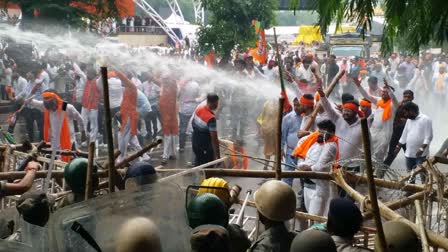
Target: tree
x=414, y=22
x=230, y=24
x=63, y=12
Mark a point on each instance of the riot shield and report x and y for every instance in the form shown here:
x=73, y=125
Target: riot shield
x=162, y=202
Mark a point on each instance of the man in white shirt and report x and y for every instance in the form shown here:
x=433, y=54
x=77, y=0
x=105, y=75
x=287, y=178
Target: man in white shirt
x=189, y=96
x=382, y=126
x=348, y=127
x=317, y=152
x=417, y=136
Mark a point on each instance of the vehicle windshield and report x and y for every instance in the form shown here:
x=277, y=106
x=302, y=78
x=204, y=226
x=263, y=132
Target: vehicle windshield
x=347, y=51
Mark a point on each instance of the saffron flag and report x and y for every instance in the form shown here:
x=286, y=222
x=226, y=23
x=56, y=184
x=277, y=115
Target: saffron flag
x=260, y=53
x=286, y=106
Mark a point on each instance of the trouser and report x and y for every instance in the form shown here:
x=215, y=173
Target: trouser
x=396, y=134
x=411, y=164
x=202, y=150
x=123, y=140
x=90, y=116
x=34, y=115
x=183, y=125
x=169, y=146
x=101, y=120
x=151, y=123
x=314, y=202
x=291, y=161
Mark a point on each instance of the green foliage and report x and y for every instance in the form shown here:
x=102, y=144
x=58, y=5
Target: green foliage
x=409, y=23
x=230, y=24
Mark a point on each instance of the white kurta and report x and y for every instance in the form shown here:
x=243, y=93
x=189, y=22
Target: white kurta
x=381, y=131
x=56, y=119
x=320, y=158
x=350, y=135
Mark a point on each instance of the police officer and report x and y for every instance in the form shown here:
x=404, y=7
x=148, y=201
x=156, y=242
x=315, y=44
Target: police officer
x=276, y=203
x=75, y=174
x=138, y=234
x=344, y=221
x=139, y=174
x=399, y=237
x=228, y=195
x=313, y=240
x=207, y=208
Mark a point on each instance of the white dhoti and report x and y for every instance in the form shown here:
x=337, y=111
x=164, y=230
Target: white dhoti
x=380, y=143
x=90, y=116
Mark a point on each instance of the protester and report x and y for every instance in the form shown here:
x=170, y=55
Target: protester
x=58, y=121
x=382, y=126
x=8, y=189
x=90, y=101
x=189, y=96
x=290, y=128
x=205, y=136
x=417, y=136
x=316, y=152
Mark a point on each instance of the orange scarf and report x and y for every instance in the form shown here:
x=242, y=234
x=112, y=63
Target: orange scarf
x=65, y=139
x=305, y=146
x=128, y=110
x=237, y=165
x=387, y=108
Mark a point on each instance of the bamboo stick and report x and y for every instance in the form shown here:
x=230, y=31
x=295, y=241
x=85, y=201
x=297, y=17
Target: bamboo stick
x=266, y=174
x=108, y=125
x=371, y=184
x=278, y=155
x=421, y=225
x=67, y=152
x=89, y=191
x=137, y=154
x=327, y=93
x=434, y=238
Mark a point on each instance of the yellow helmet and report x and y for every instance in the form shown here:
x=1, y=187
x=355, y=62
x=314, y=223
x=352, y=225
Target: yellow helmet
x=223, y=195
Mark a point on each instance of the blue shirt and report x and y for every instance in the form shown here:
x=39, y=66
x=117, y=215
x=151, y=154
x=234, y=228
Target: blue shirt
x=290, y=127
x=143, y=105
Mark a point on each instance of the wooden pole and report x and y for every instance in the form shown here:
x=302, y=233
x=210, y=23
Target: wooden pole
x=328, y=91
x=371, y=185
x=137, y=154
x=265, y=174
x=278, y=147
x=434, y=238
x=89, y=189
x=108, y=125
x=421, y=226
x=279, y=60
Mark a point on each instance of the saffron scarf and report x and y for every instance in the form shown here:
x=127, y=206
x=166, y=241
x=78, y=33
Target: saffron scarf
x=387, y=108
x=304, y=147
x=65, y=139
